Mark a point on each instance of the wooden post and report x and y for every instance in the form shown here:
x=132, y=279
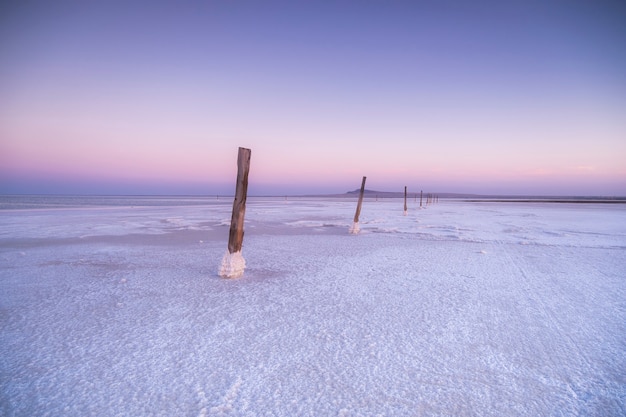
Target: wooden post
x=405, y=208
x=355, y=225
x=233, y=263
x=358, y=206
x=421, y=193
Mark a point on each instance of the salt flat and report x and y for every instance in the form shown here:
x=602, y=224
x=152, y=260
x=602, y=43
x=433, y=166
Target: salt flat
x=457, y=309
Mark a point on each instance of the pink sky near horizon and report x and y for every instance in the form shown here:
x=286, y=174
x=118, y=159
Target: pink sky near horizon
x=456, y=101
x=90, y=147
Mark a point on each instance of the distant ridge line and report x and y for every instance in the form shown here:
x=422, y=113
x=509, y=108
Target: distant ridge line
x=479, y=198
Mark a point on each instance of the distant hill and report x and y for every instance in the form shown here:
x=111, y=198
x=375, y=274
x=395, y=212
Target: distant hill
x=482, y=197
x=397, y=194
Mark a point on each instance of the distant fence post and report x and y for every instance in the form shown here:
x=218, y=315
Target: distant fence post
x=421, y=193
x=233, y=263
x=355, y=225
x=405, y=208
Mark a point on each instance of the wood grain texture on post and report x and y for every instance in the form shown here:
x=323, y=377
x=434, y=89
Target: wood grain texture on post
x=235, y=237
x=233, y=263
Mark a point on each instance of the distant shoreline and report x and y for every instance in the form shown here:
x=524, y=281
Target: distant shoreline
x=582, y=200
x=503, y=198
x=352, y=194
x=22, y=202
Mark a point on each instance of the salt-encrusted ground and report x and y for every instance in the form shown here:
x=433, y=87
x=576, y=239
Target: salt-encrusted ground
x=458, y=309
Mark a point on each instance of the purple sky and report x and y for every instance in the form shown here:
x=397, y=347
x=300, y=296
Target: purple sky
x=495, y=97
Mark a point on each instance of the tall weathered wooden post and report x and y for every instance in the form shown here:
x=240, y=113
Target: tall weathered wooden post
x=233, y=263
x=354, y=229
x=421, y=193
x=405, y=208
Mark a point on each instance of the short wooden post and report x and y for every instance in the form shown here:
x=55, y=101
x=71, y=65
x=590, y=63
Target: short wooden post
x=233, y=263
x=405, y=208
x=354, y=229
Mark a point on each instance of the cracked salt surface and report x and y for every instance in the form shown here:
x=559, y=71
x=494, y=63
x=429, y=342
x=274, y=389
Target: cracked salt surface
x=459, y=309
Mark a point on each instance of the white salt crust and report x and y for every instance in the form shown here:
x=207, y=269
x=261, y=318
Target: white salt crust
x=232, y=265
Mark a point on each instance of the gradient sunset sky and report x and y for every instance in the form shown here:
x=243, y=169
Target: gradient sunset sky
x=127, y=97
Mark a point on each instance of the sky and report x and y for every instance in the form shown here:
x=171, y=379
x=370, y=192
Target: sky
x=134, y=97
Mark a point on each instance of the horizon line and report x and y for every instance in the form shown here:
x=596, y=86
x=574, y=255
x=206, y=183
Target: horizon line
x=382, y=194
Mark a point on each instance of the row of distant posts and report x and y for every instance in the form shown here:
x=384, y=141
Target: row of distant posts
x=354, y=229
x=233, y=264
